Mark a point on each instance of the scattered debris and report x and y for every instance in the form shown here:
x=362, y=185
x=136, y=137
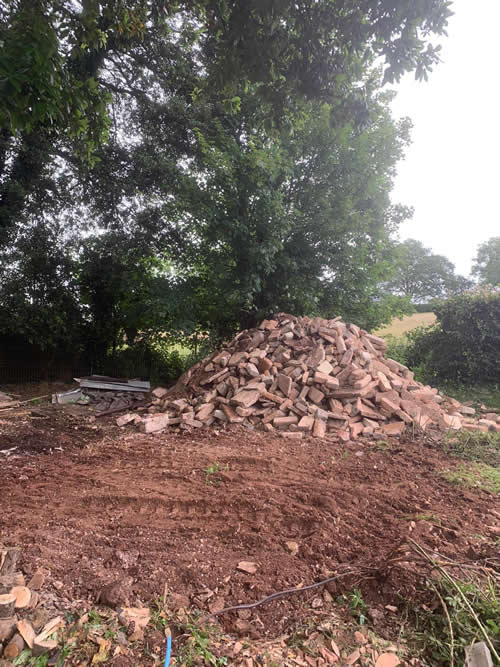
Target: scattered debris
x=114, y=384
x=71, y=396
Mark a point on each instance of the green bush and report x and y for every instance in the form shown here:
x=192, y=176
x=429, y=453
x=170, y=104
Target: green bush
x=397, y=348
x=464, y=344
x=162, y=364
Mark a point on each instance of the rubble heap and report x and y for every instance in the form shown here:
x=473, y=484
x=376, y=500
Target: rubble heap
x=304, y=376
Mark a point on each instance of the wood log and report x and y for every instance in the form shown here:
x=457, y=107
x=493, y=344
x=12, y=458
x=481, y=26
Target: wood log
x=43, y=646
x=26, y=631
x=22, y=595
x=8, y=559
x=6, y=583
x=14, y=647
x=7, y=627
x=7, y=605
x=49, y=628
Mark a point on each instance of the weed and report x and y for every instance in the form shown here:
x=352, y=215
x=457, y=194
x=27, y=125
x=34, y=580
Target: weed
x=197, y=649
x=357, y=605
x=431, y=633
x=26, y=659
x=158, y=616
x=475, y=475
x=211, y=472
x=474, y=446
x=382, y=446
x=94, y=620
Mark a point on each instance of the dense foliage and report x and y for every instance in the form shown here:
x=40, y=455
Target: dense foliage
x=192, y=166
x=463, y=345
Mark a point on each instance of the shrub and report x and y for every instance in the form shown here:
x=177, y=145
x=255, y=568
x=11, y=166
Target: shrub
x=464, y=344
x=159, y=363
x=397, y=348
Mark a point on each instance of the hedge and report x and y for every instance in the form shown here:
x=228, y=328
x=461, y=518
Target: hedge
x=464, y=344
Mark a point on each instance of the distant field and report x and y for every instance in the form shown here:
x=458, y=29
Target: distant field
x=400, y=326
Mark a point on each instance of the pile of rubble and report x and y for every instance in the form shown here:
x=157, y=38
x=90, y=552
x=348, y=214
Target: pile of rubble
x=305, y=376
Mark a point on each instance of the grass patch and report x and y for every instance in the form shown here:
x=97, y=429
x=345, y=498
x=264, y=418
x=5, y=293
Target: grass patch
x=199, y=647
x=488, y=395
x=475, y=475
x=400, y=325
x=475, y=446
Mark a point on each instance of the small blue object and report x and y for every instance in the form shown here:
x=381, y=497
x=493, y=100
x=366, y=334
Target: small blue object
x=169, y=649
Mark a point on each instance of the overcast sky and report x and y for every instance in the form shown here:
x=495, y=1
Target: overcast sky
x=450, y=174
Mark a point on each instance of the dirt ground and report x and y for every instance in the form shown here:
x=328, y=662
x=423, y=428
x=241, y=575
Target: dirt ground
x=96, y=504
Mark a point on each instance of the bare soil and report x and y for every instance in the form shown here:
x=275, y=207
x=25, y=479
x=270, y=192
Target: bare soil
x=97, y=504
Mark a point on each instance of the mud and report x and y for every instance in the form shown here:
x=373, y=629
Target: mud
x=182, y=510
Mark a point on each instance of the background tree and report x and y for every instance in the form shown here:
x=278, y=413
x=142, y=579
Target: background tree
x=487, y=262
x=55, y=65
x=421, y=275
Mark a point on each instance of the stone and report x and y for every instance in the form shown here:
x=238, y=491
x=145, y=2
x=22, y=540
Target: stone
x=155, y=423
x=122, y=420
x=389, y=406
x=247, y=566
x=316, y=395
x=478, y=655
x=319, y=428
x=387, y=660
x=231, y=416
x=236, y=358
x=285, y=421
x=204, y=411
x=292, y=547
x=306, y=423
x=160, y=392
x=324, y=367
x=285, y=383
x=393, y=428
x=246, y=398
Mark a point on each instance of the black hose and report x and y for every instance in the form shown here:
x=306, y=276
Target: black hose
x=279, y=594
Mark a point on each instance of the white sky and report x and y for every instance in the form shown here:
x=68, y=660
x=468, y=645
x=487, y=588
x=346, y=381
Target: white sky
x=450, y=174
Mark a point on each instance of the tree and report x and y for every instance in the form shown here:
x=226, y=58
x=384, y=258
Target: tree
x=56, y=66
x=421, y=275
x=299, y=222
x=487, y=262
x=39, y=300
